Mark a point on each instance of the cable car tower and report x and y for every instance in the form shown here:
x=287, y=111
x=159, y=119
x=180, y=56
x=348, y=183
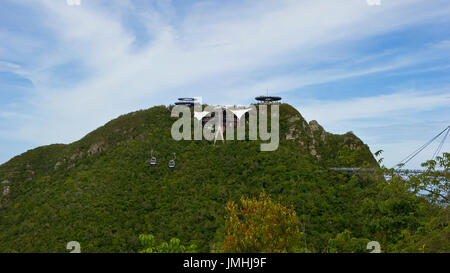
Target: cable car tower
x=153, y=161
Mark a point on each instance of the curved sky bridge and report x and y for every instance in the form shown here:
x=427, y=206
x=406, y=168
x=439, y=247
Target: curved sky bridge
x=369, y=170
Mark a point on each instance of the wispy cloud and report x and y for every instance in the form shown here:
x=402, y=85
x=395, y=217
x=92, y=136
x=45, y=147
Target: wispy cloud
x=8, y=67
x=93, y=62
x=397, y=123
x=381, y=106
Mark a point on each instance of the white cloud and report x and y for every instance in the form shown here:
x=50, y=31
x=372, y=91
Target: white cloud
x=376, y=107
x=395, y=123
x=226, y=53
x=8, y=67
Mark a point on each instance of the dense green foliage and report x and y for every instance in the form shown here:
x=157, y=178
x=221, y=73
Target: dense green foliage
x=261, y=225
x=101, y=191
x=433, y=185
x=173, y=246
x=345, y=243
x=434, y=182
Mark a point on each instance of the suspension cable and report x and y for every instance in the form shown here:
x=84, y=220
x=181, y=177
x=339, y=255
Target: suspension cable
x=420, y=149
x=438, y=150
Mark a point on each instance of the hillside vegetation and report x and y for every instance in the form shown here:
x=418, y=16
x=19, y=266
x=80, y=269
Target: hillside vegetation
x=101, y=191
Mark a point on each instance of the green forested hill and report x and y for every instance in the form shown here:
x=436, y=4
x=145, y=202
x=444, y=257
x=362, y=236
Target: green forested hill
x=101, y=191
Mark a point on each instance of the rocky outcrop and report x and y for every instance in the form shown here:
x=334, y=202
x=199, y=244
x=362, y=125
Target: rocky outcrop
x=57, y=165
x=5, y=190
x=291, y=134
x=315, y=127
x=76, y=156
x=293, y=119
x=5, y=187
x=96, y=148
x=353, y=142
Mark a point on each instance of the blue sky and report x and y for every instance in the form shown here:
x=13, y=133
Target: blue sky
x=381, y=71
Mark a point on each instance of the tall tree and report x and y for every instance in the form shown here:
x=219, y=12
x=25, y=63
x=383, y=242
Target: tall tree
x=261, y=225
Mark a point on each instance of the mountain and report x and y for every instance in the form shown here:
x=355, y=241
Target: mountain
x=101, y=191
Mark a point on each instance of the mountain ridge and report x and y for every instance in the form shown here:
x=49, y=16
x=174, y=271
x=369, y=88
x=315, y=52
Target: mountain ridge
x=99, y=143
x=65, y=192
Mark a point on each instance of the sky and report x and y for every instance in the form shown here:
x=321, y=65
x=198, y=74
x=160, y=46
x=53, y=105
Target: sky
x=378, y=68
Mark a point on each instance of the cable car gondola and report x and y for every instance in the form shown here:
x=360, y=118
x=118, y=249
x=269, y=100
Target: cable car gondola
x=153, y=161
x=172, y=162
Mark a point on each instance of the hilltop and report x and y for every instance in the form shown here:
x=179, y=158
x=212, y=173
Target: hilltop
x=102, y=192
